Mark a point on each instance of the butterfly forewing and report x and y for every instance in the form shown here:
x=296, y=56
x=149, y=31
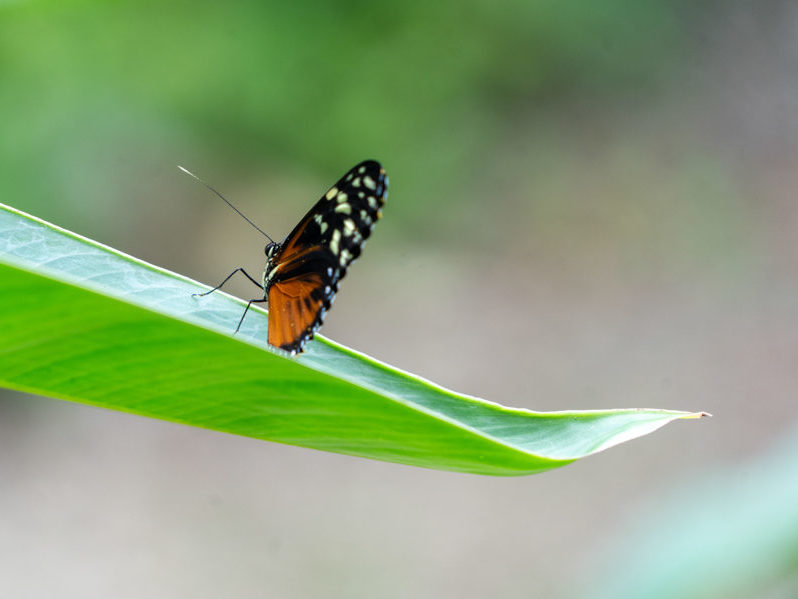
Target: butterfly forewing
x=302, y=275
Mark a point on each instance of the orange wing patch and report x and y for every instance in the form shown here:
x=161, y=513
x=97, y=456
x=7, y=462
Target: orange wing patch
x=296, y=309
x=292, y=248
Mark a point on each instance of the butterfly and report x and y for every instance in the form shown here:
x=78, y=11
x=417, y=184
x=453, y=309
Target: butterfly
x=303, y=271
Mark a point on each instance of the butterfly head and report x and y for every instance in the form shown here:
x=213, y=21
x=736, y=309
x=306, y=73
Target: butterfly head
x=271, y=248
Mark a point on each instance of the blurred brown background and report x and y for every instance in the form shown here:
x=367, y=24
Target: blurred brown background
x=592, y=206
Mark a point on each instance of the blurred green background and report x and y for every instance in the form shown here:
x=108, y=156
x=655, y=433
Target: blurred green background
x=592, y=205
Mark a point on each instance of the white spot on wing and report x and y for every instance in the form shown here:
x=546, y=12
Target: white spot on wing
x=346, y=256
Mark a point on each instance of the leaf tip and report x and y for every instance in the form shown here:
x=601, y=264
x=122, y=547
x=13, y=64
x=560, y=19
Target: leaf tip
x=696, y=415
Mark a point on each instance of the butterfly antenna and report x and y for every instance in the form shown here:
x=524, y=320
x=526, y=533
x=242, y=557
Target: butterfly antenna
x=225, y=200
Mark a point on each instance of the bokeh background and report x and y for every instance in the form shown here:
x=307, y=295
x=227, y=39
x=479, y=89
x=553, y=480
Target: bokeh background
x=592, y=206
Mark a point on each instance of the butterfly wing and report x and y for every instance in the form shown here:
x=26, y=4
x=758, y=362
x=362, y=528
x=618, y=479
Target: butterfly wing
x=296, y=309
x=303, y=274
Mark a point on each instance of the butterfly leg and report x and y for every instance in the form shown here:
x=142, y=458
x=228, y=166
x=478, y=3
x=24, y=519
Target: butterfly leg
x=252, y=301
x=219, y=286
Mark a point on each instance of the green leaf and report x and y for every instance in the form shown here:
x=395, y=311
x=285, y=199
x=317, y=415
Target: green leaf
x=83, y=322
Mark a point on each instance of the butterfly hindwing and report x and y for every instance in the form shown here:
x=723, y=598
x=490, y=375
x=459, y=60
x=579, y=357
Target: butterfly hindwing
x=298, y=307
x=303, y=272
